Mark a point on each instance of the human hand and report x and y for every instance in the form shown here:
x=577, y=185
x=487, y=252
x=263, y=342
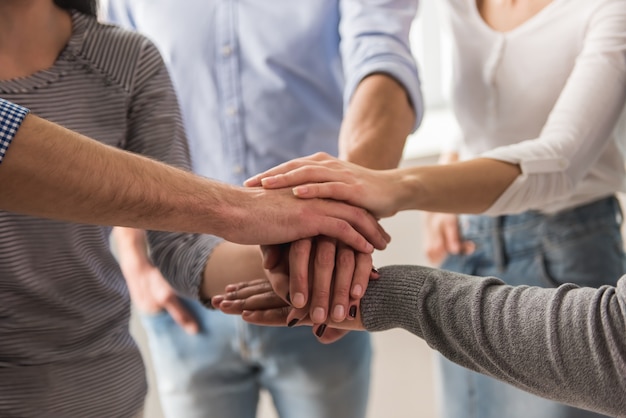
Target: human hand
x=322, y=176
x=443, y=237
x=151, y=293
x=258, y=304
x=337, y=275
x=277, y=216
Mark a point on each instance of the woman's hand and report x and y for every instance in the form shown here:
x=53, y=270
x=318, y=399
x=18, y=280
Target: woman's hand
x=443, y=237
x=258, y=304
x=333, y=274
x=323, y=176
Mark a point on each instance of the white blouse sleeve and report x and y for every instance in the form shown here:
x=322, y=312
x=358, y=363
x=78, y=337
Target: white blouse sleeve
x=580, y=125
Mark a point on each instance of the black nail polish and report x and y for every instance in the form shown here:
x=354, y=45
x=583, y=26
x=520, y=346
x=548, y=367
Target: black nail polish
x=352, y=311
x=293, y=322
x=320, y=330
x=288, y=298
x=374, y=270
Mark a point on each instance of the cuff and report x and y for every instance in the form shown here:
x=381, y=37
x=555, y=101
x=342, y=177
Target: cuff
x=11, y=118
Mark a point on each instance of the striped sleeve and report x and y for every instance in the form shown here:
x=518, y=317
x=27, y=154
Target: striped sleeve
x=156, y=130
x=11, y=117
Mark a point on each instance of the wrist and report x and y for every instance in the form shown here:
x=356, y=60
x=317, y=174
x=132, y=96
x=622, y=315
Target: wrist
x=408, y=189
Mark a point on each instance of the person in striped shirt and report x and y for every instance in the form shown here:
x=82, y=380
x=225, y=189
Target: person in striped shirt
x=65, y=348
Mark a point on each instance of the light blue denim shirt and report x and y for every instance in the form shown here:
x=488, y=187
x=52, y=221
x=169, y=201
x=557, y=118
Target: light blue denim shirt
x=260, y=82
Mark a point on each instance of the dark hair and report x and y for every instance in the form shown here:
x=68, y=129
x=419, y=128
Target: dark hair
x=88, y=7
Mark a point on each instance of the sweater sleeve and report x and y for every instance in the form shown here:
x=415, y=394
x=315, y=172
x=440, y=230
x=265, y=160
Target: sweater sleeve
x=155, y=130
x=566, y=344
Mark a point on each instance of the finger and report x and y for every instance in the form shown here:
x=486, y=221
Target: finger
x=344, y=272
x=323, y=266
x=289, y=166
x=299, y=255
x=181, y=315
x=362, y=274
x=248, y=291
x=358, y=219
x=331, y=335
x=241, y=285
x=271, y=317
x=307, y=174
x=452, y=237
x=263, y=301
x=271, y=255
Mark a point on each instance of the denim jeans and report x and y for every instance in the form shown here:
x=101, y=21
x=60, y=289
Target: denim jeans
x=220, y=371
x=582, y=245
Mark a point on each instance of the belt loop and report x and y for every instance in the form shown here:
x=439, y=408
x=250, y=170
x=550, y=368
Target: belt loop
x=499, y=246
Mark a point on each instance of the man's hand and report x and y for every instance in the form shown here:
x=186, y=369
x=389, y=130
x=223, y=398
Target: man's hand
x=151, y=294
x=148, y=289
x=277, y=216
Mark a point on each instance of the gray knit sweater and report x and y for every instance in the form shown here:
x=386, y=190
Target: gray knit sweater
x=567, y=344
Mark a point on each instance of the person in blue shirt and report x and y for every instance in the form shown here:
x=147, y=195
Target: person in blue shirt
x=260, y=83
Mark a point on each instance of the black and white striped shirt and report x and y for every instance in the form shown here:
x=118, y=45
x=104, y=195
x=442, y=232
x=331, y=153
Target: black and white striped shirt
x=65, y=348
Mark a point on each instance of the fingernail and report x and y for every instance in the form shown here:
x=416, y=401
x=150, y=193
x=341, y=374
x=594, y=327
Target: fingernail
x=357, y=291
x=300, y=190
x=288, y=299
x=293, y=322
x=352, y=311
x=298, y=300
x=339, y=312
x=320, y=330
x=319, y=315
x=375, y=270
x=217, y=299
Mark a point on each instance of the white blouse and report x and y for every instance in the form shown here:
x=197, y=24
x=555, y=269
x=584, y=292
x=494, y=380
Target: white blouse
x=548, y=95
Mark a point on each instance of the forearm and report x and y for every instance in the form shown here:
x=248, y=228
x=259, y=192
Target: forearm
x=377, y=123
x=52, y=172
x=562, y=344
x=230, y=263
x=131, y=250
x=463, y=187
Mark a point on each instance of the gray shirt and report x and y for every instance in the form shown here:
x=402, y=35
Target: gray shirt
x=567, y=344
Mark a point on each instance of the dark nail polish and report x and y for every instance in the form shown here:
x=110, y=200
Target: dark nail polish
x=293, y=322
x=352, y=311
x=320, y=330
x=374, y=270
x=288, y=298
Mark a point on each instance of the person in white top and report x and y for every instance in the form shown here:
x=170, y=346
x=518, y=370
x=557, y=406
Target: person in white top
x=539, y=94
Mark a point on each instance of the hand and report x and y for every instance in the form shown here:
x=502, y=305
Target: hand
x=323, y=176
x=443, y=237
x=339, y=276
x=276, y=216
x=151, y=294
x=258, y=304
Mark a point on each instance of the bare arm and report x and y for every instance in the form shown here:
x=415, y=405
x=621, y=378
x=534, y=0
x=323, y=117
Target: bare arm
x=49, y=171
x=377, y=123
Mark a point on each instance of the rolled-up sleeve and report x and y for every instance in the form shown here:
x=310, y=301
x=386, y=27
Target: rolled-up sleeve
x=11, y=118
x=580, y=126
x=375, y=39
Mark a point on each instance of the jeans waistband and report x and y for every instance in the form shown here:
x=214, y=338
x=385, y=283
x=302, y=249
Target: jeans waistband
x=601, y=210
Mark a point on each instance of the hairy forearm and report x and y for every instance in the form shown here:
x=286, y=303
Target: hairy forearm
x=376, y=124
x=463, y=187
x=231, y=263
x=52, y=172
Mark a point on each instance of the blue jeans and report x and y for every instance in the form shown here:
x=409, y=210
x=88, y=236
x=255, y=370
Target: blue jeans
x=581, y=245
x=220, y=371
